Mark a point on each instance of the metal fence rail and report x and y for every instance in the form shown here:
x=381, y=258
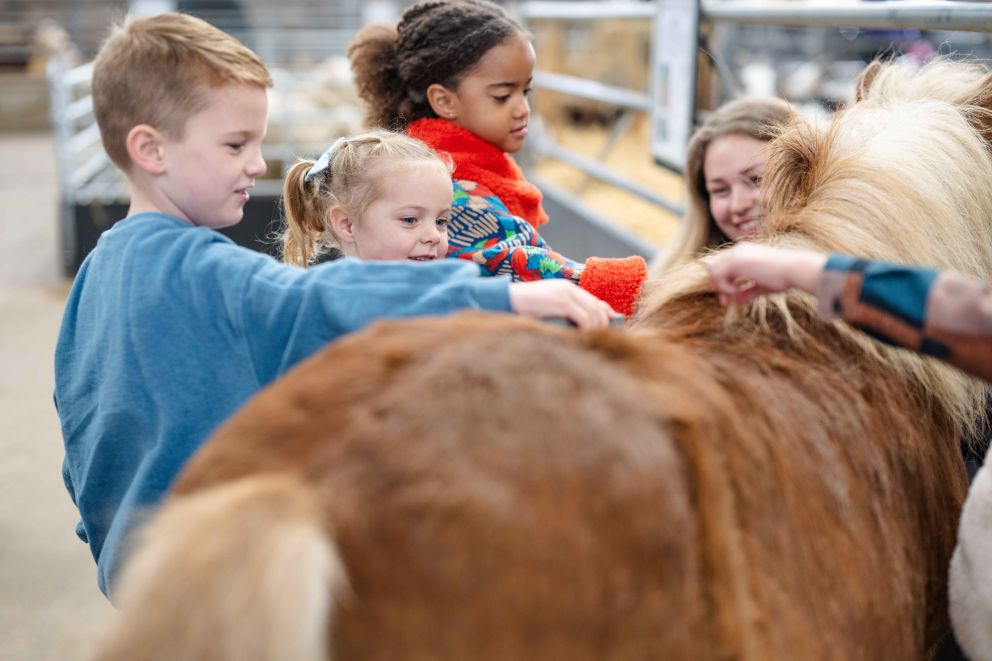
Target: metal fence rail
x=892, y=14
x=585, y=10
x=591, y=89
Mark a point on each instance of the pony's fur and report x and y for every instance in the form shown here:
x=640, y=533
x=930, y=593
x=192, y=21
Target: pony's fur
x=763, y=486
x=274, y=523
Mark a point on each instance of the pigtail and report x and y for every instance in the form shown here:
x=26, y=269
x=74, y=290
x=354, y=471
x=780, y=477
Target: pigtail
x=304, y=230
x=372, y=54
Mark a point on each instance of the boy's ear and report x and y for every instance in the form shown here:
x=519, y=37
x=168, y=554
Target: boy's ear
x=443, y=101
x=343, y=226
x=144, y=147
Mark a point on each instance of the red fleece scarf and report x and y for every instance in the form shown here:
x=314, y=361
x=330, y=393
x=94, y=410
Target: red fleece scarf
x=477, y=160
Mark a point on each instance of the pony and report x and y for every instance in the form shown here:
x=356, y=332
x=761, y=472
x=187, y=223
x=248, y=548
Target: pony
x=703, y=484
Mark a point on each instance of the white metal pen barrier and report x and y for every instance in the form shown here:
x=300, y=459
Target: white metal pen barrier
x=677, y=32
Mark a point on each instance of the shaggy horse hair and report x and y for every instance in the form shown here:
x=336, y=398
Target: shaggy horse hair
x=702, y=485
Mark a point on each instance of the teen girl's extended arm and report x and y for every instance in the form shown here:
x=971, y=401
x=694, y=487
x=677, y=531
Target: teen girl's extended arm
x=483, y=231
x=942, y=314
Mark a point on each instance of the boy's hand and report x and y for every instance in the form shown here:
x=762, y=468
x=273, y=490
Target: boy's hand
x=560, y=298
x=749, y=270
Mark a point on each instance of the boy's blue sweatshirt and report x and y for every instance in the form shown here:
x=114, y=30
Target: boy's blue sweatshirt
x=169, y=328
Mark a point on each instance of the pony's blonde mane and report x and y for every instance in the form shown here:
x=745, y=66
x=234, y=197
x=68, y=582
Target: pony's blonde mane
x=902, y=174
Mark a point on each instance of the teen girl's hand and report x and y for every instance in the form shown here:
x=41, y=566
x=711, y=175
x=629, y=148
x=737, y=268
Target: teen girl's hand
x=748, y=270
x=560, y=298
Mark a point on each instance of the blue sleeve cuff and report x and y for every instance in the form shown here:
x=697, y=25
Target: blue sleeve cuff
x=493, y=293
x=839, y=262
x=900, y=290
x=897, y=289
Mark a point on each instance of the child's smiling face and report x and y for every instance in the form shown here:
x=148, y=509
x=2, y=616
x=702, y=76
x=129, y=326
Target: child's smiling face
x=407, y=220
x=210, y=168
x=491, y=100
x=733, y=167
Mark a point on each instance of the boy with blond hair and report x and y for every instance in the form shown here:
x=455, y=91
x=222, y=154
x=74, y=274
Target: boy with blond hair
x=169, y=326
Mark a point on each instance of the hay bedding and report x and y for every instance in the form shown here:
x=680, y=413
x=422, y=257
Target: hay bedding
x=630, y=157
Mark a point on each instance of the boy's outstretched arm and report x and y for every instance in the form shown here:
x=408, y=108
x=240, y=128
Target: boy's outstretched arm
x=286, y=313
x=560, y=298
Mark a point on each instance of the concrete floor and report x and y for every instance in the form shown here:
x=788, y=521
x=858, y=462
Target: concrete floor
x=50, y=607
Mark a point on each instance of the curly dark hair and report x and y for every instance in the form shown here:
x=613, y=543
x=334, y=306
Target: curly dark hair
x=436, y=41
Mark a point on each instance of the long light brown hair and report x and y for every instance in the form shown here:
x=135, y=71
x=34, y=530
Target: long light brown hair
x=758, y=118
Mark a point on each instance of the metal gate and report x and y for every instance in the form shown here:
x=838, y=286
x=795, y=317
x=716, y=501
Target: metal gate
x=681, y=30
